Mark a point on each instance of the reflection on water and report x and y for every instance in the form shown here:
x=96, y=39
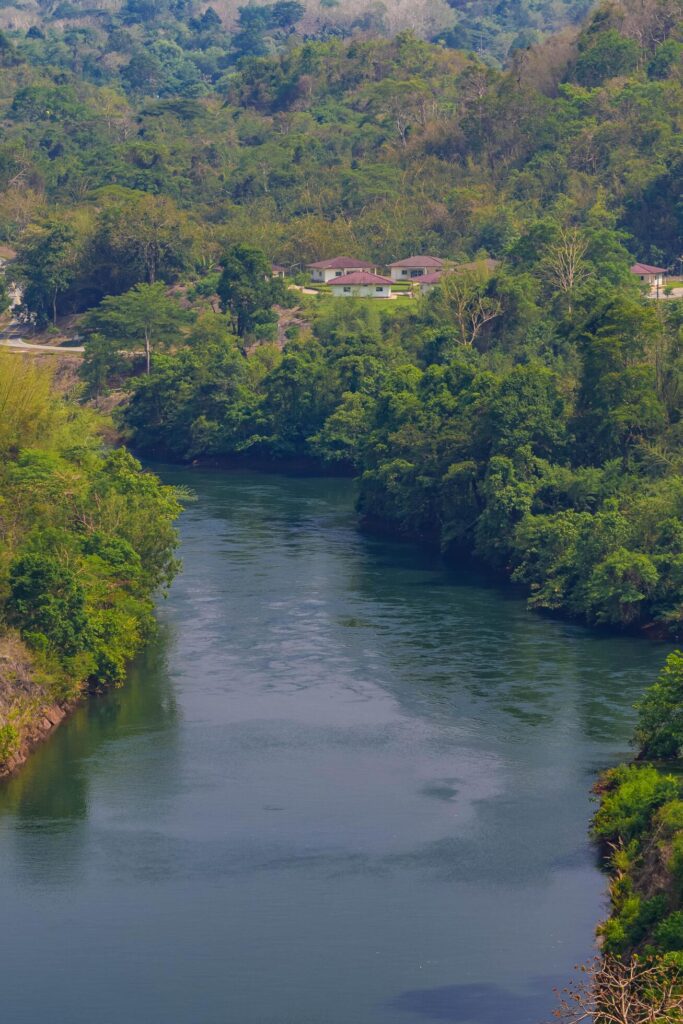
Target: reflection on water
x=486, y=1004
x=50, y=796
x=344, y=784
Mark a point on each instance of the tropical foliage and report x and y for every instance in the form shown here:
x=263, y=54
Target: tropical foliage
x=640, y=823
x=86, y=539
x=184, y=46
x=527, y=412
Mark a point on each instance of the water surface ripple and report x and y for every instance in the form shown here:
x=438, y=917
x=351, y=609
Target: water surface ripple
x=345, y=785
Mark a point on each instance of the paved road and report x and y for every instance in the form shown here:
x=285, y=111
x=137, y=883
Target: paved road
x=11, y=338
x=25, y=346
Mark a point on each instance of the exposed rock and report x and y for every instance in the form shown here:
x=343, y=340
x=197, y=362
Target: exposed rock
x=27, y=712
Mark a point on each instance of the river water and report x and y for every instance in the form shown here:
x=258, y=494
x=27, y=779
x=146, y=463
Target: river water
x=345, y=785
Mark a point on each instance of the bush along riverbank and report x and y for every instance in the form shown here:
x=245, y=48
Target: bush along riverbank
x=639, y=825
x=86, y=540
x=552, y=458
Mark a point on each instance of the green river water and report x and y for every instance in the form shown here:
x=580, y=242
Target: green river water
x=345, y=785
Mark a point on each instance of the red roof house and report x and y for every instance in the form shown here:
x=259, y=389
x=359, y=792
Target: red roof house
x=414, y=266
x=324, y=270
x=645, y=268
x=653, y=276
x=361, y=283
x=429, y=281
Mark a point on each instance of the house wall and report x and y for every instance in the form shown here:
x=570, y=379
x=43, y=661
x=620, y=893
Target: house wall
x=406, y=273
x=653, y=281
x=366, y=291
x=323, y=276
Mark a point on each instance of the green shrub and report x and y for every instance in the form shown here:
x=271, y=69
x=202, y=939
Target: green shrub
x=669, y=932
x=634, y=793
x=9, y=739
x=675, y=864
x=632, y=922
x=670, y=816
x=660, y=713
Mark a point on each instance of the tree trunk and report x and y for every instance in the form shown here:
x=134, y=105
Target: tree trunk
x=148, y=352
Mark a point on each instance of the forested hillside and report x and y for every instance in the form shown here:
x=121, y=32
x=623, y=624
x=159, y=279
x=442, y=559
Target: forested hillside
x=527, y=411
x=134, y=41
x=85, y=540
x=388, y=146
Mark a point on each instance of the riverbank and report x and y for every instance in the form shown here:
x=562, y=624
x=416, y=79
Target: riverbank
x=28, y=711
x=639, y=825
x=87, y=540
x=454, y=555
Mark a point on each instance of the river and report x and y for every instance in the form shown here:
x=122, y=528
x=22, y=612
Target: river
x=345, y=785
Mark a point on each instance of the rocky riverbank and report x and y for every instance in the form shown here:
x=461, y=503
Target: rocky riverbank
x=29, y=712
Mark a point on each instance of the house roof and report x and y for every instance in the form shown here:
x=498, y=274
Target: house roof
x=341, y=263
x=432, y=278
x=276, y=267
x=645, y=268
x=419, y=261
x=362, y=277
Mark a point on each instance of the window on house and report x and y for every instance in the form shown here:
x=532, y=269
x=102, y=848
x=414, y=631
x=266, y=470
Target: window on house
x=379, y=288
x=337, y=273
x=346, y=288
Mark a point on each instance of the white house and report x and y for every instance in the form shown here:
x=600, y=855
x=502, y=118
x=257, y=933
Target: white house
x=652, y=276
x=326, y=270
x=361, y=284
x=277, y=270
x=414, y=266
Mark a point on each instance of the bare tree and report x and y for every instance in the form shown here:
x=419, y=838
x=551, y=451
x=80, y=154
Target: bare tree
x=565, y=262
x=464, y=294
x=609, y=990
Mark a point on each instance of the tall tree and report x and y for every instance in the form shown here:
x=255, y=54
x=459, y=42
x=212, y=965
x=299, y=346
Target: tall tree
x=564, y=261
x=46, y=266
x=141, y=237
x=247, y=290
x=144, y=317
x=463, y=297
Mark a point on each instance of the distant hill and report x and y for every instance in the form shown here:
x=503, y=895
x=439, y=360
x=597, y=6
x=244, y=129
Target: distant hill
x=492, y=28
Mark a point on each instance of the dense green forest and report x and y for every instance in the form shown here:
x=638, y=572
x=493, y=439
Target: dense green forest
x=86, y=539
x=527, y=411
x=561, y=468
x=386, y=147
